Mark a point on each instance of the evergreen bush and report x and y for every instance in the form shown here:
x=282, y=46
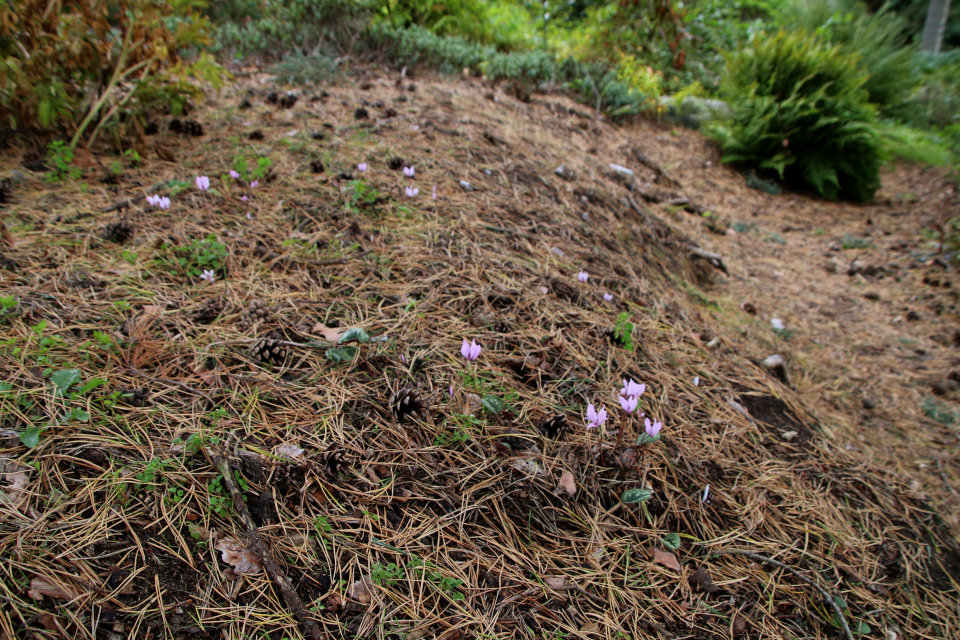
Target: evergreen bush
x=799, y=108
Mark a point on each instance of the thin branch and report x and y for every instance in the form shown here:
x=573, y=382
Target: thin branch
x=310, y=628
x=826, y=596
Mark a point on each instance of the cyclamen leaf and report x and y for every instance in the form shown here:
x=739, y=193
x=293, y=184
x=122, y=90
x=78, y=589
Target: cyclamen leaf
x=354, y=334
x=65, y=378
x=30, y=437
x=492, y=404
x=632, y=496
x=671, y=541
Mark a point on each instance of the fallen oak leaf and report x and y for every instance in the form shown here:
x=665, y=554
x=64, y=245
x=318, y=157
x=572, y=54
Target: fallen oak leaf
x=18, y=477
x=243, y=560
x=360, y=592
x=567, y=483
x=666, y=558
x=332, y=334
x=40, y=587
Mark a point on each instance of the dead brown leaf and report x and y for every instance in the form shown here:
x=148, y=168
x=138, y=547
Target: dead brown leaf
x=14, y=477
x=243, y=560
x=555, y=583
x=567, y=483
x=329, y=333
x=40, y=587
x=666, y=558
x=590, y=627
x=360, y=592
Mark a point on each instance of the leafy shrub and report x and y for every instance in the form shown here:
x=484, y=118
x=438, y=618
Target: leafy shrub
x=596, y=83
x=799, y=108
x=74, y=64
x=502, y=24
x=936, y=103
x=878, y=41
x=278, y=28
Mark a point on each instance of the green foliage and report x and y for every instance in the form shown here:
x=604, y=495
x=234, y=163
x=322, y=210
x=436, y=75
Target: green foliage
x=191, y=260
x=623, y=331
x=633, y=496
x=671, y=541
x=385, y=576
x=878, y=41
x=61, y=157
x=936, y=104
x=799, y=109
x=492, y=404
x=248, y=173
x=63, y=64
x=278, y=28
x=912, y=145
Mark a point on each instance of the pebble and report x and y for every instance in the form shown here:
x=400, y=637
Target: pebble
x=18, y=176
x=868, y=403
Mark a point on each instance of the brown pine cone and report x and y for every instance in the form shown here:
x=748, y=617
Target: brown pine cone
x=254, y=315
x=269, y=351
x=209, y=310
x=406, y=402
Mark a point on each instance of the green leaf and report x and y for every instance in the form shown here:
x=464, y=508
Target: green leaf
x=65, y=378
x=5, y=387
x=671, y=541
x=30, y=437
x=862, y=629
x=492, y=404
x=334, y=354
x=354, y=334
x=631, y=496
x=92, y=384
x=645, y=438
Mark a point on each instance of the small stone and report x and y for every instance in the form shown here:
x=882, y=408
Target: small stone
x=868, y=403
x=788, y=435
x=465, y=185
x=776, y=365
x=833, y=266
x=585, y=216
x=871, y=295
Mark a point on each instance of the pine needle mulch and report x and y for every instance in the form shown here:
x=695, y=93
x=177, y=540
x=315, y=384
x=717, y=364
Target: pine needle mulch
x=482, y=518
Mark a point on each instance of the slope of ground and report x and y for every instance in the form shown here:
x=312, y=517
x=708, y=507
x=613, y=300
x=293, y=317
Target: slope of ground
x=473, y=519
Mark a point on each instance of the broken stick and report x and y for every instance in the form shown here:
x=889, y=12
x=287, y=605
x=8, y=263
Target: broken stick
x=310, y=628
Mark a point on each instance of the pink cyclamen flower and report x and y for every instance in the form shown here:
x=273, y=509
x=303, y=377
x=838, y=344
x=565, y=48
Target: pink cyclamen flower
x=628, y=403
x=451, y=391
x=244, y=198
x=582, y=276
x=203, y=183
x=608, y=297
x=706, y=493
x=434, y=192
x=208, y=275
x=652, y=429
x=362, y=167
x=412, y=191
x=254, y=184
x=696, y=381
x=595, y=418
x=470, y=350
x=164, y=203
x=249, y=217
x=632, y=390
x=408, y=171
x=234, y=174
x=403, y=359
x=154, y=200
